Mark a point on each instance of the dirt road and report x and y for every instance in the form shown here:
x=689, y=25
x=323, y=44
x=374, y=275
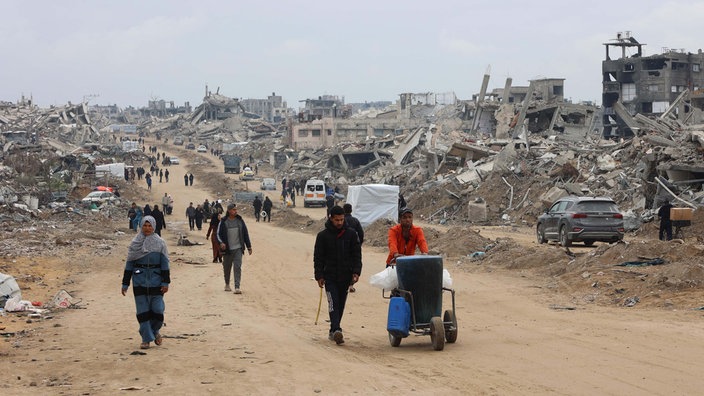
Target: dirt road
x=264, y=341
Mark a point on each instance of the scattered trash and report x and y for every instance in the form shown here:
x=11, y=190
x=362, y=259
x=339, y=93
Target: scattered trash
x=655, y=261
x=477, y=255
x=631, y=301
x=62, y=300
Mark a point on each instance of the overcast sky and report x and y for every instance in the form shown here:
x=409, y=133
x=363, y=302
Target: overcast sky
x=129, y=52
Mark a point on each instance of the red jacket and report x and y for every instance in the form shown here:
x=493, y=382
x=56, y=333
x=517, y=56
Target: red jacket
x=407, y=248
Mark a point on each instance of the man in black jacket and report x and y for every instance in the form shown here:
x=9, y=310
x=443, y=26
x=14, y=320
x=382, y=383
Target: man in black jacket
x=337, y=260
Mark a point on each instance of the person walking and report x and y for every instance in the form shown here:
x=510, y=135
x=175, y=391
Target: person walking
x=158, y=215
x=337, y=262
x=213, y=235
x=267, y=208
x=147, y=211
x=166, y=175
x=190, y=178
x=233, y=238
x=353, y=223
x=147, y=268
x=191, y=215
x=165, y=203
x=161, y=175
x=137, y=221
x=329, y=202
x=131, y=214
x=404, y=237
x=200, y=215
x=185, y=179
x=665, y=223
x=257, y=207
x=149, y=181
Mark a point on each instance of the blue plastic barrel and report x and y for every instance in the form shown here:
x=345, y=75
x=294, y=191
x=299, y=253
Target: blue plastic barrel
x=422, y=276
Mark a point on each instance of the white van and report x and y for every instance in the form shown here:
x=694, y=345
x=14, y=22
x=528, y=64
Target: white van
x=314, y=193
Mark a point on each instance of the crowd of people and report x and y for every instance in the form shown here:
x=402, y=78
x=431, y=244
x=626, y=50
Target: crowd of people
x=337, y=252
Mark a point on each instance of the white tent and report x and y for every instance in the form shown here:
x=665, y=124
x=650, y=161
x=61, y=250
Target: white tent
x=371, y=202
x=115, y=169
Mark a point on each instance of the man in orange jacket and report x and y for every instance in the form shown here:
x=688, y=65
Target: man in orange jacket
x=404, y=237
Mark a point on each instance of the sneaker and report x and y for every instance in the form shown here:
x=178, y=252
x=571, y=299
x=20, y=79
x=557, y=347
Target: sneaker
x=227, y=288
x=238, y=291
x=338, y=337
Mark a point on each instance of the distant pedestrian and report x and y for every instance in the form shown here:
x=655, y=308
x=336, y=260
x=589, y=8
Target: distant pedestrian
x=190, y=178
x=161, y=175
x=200, y=215
x=353, y=223
x=191, y=215
x=166, y=175
x=185, y=179
x=329, y=203
x=149, y=181
x=131, y=214
x=665, y=223
x=165, y=203
x=158, y=215
x=213, y=235
x=234, y=238
x=147, y=211
x=267, y=208
x=257, y=207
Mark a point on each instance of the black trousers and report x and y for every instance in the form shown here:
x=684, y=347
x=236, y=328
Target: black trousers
x=336, y=292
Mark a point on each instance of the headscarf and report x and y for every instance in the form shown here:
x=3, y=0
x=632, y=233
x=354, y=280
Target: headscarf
x=142, y=245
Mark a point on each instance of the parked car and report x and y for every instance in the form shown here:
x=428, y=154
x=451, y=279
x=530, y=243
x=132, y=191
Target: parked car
x=268, y=184
x=581, y=219
x=178, y=140
x=191, y=146
x=174, y=160
x=101, y=197
x=202, y=149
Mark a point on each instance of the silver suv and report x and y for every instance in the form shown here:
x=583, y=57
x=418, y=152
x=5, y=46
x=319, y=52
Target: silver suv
x=581, y=219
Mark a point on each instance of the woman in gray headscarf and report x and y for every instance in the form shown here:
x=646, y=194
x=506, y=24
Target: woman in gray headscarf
x=147, y=267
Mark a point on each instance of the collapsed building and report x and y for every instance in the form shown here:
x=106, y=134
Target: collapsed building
x=502, y=155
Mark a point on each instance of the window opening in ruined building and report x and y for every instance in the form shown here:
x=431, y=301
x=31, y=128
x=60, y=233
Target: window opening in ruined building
x=629, y=67
x=654, y=64
x=673, y=88
x=628, y=92
x=695, y=67
x=679, y=66
x=315, y=133
x=557, y=90
x=329, y=131
x=647, y=107
x=302, y=133
x=378, y=132
x=660, y=107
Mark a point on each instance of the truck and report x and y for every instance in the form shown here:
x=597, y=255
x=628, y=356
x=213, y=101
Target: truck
x=232, y=163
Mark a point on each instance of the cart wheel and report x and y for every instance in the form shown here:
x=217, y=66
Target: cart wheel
x=437, y=333
x=451, y=329
x=394, y=340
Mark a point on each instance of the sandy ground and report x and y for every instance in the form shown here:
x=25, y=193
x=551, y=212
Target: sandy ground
x=514, y=338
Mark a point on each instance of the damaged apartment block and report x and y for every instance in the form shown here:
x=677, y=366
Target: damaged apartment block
x=670, y=82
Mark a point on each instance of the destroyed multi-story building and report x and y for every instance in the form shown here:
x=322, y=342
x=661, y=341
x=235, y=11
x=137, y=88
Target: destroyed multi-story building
x=647, y=85
x=271, y=109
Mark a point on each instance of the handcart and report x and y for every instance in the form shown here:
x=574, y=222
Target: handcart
x=416, y=304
